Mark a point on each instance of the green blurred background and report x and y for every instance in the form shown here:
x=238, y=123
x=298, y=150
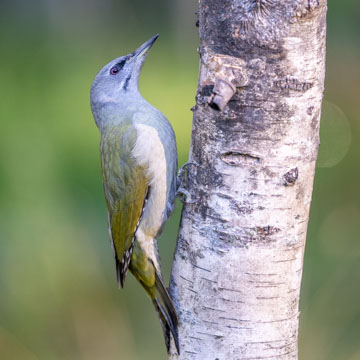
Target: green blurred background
x=58, y=294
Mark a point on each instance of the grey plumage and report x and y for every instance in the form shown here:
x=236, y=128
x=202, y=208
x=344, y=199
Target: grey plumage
x=139, y=164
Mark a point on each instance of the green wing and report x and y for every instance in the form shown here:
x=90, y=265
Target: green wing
x=125, y=187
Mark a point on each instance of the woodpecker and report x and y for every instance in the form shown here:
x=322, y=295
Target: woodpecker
x=139, y=164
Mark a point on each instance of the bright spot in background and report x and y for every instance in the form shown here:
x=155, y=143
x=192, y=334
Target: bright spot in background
x=338, y=233
x=335, y=135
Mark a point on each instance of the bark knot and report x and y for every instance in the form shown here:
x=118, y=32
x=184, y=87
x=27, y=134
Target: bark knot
x=290, y=177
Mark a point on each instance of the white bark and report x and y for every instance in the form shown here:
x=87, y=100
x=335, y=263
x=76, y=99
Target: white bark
x=238, y=264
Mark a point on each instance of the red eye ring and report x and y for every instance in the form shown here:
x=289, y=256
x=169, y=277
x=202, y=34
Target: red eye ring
x=114, y=70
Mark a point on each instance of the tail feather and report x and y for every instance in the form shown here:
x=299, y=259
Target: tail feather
x=163, y=322
x=167, y=314
x=147, y=274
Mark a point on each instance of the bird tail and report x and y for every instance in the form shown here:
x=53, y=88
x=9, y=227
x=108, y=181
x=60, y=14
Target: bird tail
x=147, y=274
x=166, y=312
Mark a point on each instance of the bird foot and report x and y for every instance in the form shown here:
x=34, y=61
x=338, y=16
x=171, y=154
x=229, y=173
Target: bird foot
x=182, y=179
x=184, y=168
x=185, y=196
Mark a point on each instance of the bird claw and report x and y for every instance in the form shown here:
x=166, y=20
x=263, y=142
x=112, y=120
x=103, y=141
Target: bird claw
x=185, y=195
x=184, y=167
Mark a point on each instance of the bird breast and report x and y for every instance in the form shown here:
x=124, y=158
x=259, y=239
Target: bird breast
x=149, y=152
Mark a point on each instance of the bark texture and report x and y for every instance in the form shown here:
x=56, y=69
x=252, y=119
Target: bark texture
x=238, y=263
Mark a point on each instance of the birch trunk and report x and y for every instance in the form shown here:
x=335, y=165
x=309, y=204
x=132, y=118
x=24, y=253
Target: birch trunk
x=238, y=264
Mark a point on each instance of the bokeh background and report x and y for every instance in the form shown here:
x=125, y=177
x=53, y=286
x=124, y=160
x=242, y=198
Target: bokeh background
x=58, y=294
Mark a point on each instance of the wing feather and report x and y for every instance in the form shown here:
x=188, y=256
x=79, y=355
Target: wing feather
x=126, y=189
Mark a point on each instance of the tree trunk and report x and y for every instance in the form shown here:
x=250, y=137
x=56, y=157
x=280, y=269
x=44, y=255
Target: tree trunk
x=238, y=263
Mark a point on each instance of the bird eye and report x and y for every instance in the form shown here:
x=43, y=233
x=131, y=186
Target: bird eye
x=114, y=70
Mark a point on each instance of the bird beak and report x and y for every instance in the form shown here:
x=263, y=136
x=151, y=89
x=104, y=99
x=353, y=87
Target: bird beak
x=144, y=48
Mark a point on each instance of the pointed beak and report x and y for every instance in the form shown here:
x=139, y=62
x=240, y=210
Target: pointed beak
x=144, y=48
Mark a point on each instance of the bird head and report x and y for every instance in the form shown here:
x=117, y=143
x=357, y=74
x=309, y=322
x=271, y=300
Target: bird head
x=119, y=77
